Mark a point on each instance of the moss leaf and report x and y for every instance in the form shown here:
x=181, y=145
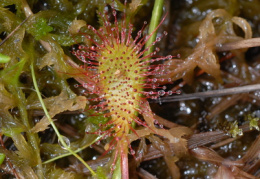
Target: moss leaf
x=58, y=104
x=40, y=28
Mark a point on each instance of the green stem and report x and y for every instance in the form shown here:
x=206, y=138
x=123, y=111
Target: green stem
x=63, y=143
x=76, y=151
x=32, y=138
x=155, y=20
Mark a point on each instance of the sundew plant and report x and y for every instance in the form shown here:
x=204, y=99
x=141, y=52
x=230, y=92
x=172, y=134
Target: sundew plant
x=97, y=89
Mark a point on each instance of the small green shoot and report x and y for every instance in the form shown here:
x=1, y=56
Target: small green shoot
x=4, y=58
x=234, y=130
x=40, y=28
x=253, y=122
x=2, y=158
x=157, y=11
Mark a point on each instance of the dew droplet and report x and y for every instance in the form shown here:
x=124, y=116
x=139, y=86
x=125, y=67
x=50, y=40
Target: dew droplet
x=178, y=92
x=92, y=48
x=132, y=152
x=85, y=85
x=114, y=13
x=154, y=80
x=169, y=92
x=76, y=86
x=161, y=93
x=113, y=167
x=165, y=33
x=66, y=141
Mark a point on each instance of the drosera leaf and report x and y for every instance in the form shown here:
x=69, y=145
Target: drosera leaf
x=2, y=158
x=4, y=58
x=96, y=119
x=40, y=28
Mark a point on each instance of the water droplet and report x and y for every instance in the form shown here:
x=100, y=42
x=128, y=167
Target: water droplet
x=67, y=142
x=132, y=152
x=158, y=39
x=114, y=13
x=154, y=80
x=178, y=92
x=165, y=33
x=85, y=85
x=161, y=93
x=113, y=167
x=161, y=126
x=92, y=48
x=76, y=86
x=169, y=92
x=154, y=97
x=145, y=22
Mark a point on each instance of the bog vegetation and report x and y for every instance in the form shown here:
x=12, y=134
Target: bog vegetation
x=65, y=66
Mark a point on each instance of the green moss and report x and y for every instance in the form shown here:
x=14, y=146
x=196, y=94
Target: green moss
x=2, y=158
x=20, y=109
x=4, y=58
x=253, y=122
x=234, y=130
x=40, y=28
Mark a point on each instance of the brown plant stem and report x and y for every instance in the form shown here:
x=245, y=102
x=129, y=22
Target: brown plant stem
x=246, y=43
